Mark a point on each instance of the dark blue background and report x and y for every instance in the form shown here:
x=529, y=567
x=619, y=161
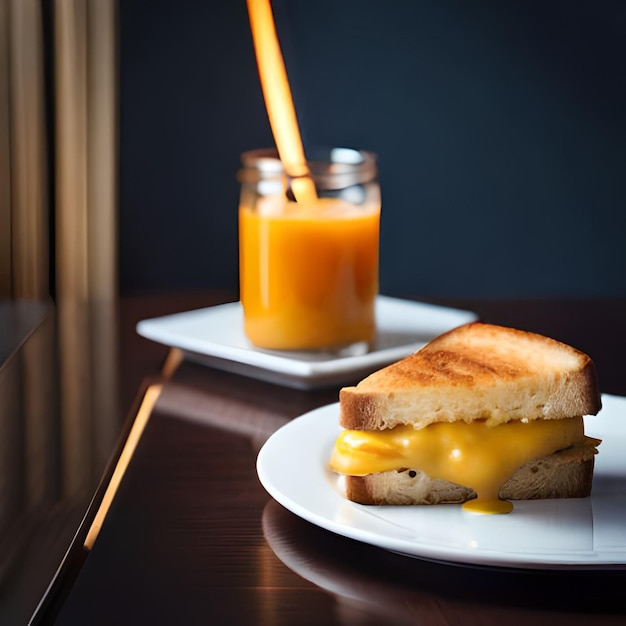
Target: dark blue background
x=499, y=128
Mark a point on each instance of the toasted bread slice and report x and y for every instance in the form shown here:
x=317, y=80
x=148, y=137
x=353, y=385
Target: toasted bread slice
x=475, y=372
x=564, y=474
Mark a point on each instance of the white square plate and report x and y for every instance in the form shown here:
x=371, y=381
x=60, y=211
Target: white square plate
x=214, y=336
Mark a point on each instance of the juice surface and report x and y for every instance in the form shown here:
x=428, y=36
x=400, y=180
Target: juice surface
x=309, y=275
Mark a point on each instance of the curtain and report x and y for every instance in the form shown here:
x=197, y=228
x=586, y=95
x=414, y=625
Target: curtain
x=24, y=206
x=62, y=244
x=85, y=154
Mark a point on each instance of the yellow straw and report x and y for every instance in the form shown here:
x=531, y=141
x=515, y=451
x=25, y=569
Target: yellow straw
x=278, y=99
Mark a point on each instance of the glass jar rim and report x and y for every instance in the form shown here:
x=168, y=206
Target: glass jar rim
x=337, y=166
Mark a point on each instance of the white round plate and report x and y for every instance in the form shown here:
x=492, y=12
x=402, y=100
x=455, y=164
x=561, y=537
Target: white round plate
x=582, y=533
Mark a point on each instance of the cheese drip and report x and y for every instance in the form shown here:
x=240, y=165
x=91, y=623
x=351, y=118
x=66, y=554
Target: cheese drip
x=473, y=455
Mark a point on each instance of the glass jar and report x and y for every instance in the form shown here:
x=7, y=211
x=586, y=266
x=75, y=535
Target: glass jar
x=309, y=268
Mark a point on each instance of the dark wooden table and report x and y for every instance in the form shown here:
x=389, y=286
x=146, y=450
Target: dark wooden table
x=191, y=537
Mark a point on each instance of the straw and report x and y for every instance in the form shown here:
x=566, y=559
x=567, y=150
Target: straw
x=278, y=99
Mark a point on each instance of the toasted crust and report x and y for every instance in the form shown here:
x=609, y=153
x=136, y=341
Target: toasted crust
x=564, y=474
x=476, y=371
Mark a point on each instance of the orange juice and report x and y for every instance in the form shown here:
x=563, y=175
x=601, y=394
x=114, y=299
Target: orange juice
x=309, y=274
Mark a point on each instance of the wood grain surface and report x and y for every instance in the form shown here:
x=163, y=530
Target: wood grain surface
x=193, y=538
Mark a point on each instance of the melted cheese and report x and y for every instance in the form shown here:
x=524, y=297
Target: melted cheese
x=474, y=455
